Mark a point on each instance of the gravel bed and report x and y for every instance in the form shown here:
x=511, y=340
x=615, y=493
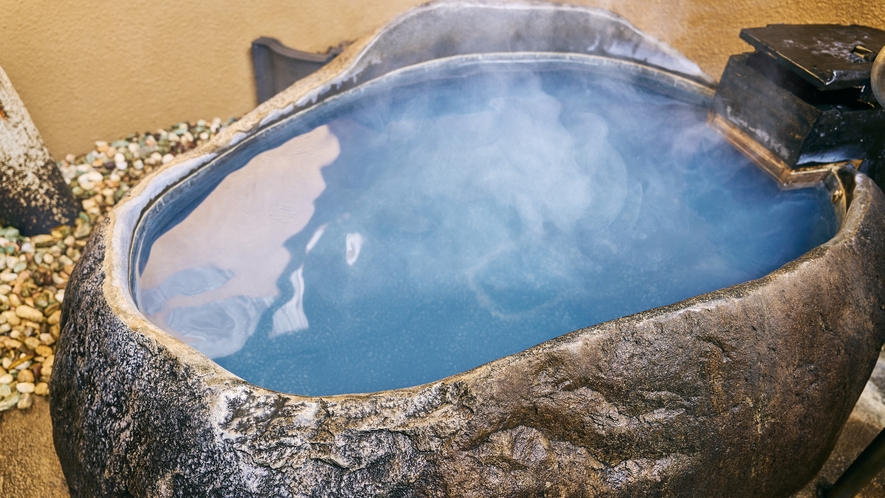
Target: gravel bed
x=35, y=270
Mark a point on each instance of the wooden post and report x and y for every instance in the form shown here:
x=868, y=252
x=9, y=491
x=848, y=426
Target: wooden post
x=33, y=195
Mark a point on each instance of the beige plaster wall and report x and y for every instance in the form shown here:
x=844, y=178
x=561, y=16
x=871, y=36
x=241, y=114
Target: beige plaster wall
x=99, y=69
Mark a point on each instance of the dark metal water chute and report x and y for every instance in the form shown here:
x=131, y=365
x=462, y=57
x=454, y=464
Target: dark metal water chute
x=805, y=98
x=277, y=66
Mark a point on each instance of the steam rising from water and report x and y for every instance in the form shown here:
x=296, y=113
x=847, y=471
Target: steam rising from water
x=464, y=218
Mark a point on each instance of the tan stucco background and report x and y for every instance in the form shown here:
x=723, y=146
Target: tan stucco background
x=99, y=69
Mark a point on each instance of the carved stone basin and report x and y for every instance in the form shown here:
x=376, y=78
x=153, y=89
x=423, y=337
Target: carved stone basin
x=740, y=391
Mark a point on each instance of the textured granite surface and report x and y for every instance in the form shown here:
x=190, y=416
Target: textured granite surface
x=33, y=195
x=717, y=395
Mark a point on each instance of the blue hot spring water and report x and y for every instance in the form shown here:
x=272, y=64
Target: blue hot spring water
x=431, y=221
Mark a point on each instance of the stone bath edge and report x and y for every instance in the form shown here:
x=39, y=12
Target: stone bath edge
x=710, y=396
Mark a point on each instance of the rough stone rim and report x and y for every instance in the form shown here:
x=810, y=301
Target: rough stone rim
x=123, y=220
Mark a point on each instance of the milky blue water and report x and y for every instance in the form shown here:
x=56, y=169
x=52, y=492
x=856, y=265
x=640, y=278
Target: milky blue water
x=424, y=225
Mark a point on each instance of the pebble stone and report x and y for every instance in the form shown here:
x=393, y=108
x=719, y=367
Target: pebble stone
x=25, y=401
x=35, y=270
x=25, y=376
x=29, y=313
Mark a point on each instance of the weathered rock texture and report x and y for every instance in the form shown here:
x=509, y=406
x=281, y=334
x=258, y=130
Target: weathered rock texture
x=739, y=392
x=33, y=195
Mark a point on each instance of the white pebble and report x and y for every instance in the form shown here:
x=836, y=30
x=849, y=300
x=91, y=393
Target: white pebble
x=6, y=362
x=60, y=295
x=139, y=164
x=84, y=182
x=174, y=138
x=204, y=136
x=25, y=387
x=134, y=148
x=94, y=176
x=27, y=247
x=8, y=277
x=5, y=289
x=114, y=177
x=25, y=402
x=168, y=158
x=121, y=165
x=6, y=379
x=70, y=158
x=155, y=158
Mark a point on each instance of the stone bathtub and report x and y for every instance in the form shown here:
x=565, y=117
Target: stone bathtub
x=741, y=391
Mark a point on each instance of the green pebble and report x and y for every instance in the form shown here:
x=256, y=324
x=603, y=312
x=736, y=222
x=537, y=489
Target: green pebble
x=77, y=191
x=21, y=265
x=9, y=401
